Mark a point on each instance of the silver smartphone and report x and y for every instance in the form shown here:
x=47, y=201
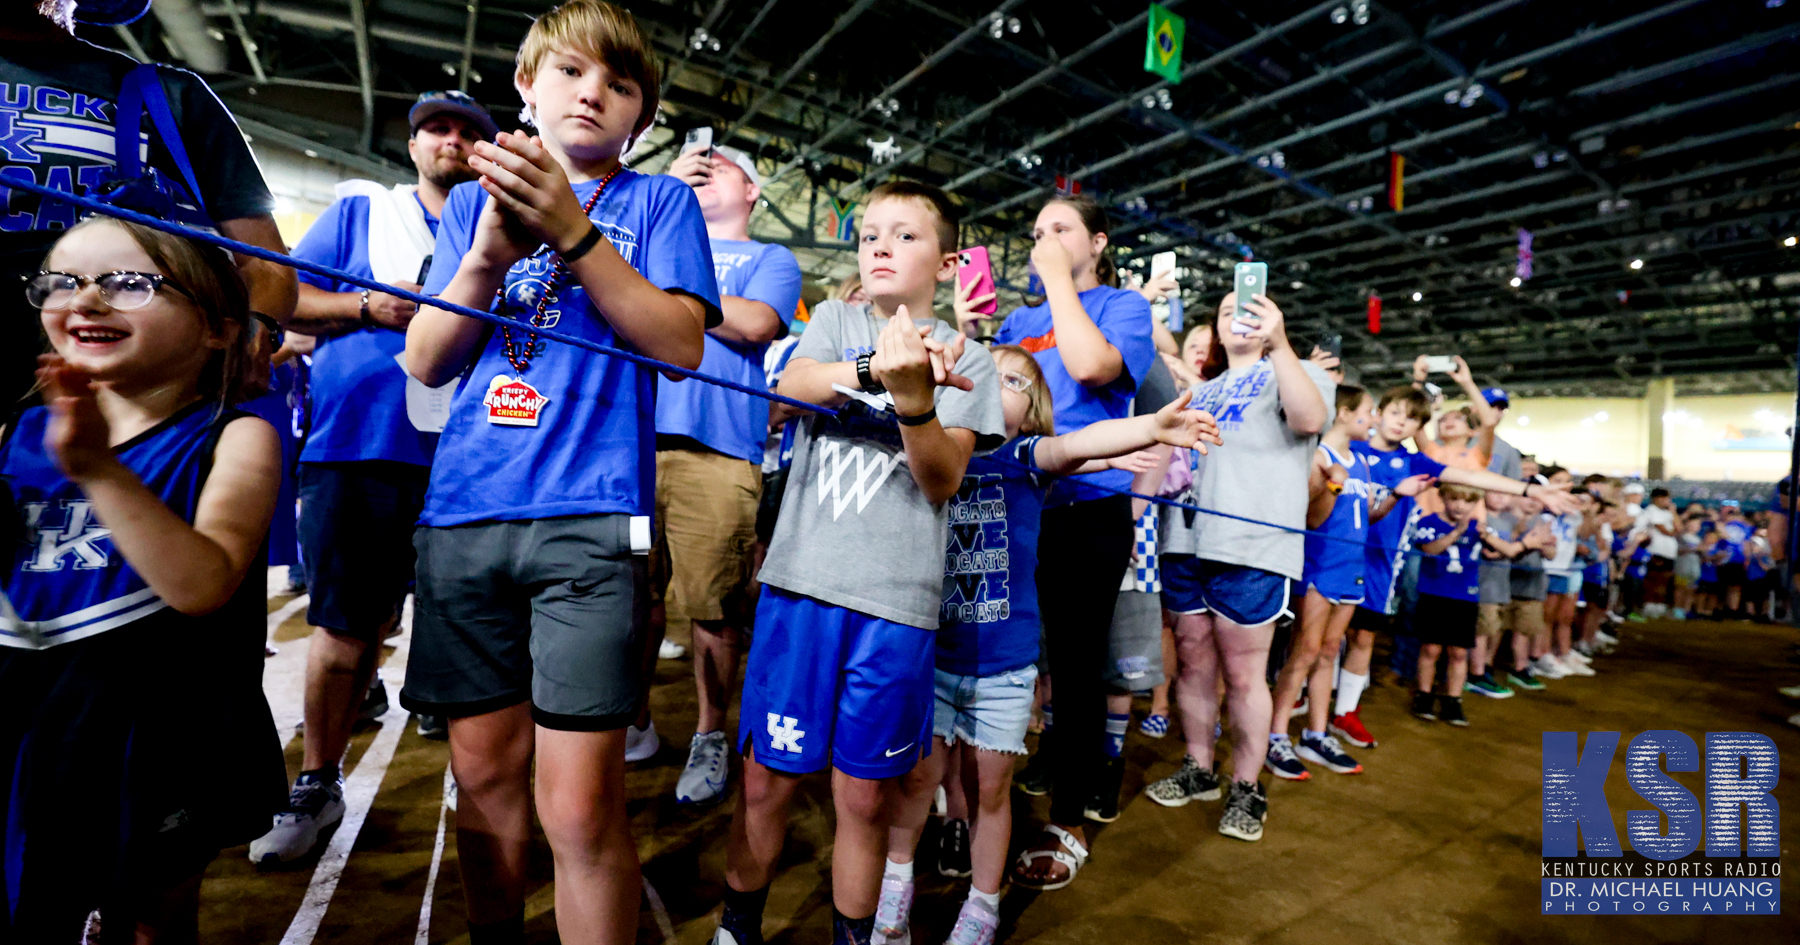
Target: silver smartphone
x=698, y=139
x=1248, y=278
x=1440, y=363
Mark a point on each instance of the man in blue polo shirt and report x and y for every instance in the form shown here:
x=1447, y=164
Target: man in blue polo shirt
x=709, y=453
x=364, y=468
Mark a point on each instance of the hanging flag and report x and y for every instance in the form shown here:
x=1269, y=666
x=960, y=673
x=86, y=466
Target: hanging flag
x=1067, y=186
x=1374, y=314
x=1523, y=271
x=1162, y=52
x=842, y=215
x=1396, y=189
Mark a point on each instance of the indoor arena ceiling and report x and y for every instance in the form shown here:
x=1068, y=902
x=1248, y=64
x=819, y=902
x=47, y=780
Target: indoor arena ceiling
x=1612, y=132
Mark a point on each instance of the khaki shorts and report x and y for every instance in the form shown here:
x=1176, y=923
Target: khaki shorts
x=1488, y=622
x=705, y=535
x=1526, y=618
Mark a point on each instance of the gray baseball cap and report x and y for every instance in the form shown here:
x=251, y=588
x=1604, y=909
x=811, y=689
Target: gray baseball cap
x=741, y=159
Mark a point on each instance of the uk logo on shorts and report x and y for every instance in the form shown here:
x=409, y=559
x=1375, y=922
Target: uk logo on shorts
x=785, y=733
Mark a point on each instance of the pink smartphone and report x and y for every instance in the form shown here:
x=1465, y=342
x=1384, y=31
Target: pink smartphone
x=974, y=262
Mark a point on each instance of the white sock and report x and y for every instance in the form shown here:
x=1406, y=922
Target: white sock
x=1350, y=690
x=902, y=870
x=992, y=899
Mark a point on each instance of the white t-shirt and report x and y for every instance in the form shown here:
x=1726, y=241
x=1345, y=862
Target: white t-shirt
x=1661, y=545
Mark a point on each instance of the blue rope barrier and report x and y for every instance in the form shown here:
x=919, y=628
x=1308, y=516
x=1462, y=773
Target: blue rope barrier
x=101, y=206
x=247, y=249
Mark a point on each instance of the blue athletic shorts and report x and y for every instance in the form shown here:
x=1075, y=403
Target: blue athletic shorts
x=1337, y=585
x=826, y=685
x=1249, y=597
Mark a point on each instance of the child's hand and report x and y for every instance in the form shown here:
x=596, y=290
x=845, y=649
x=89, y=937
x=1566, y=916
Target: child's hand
x=1141, y=461
x=1337, y=476
x=500, y=240
x=1413, y=485
x=944, y=356
x=78, y=438
x=1178, y=426
x=966, y=316
x=904, y=365
x=1557, y=500
x=519, y=174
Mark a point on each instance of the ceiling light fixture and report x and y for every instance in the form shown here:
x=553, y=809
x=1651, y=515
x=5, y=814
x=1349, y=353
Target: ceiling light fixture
x=1637, y=264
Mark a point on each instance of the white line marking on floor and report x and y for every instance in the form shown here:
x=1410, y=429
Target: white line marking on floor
x=660, y=911
x=360, y=789
x=284, y=674
x=437, y=858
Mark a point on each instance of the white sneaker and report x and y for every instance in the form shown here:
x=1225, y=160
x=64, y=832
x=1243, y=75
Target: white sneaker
x=641, y=744
x=1576, y=667
x=1794, y=720
x=1548, y=667
x=703, y=779
x=1607, y=638
x=1792, y=692
x=313, y=805
x=1579, y=657
x=670, y=650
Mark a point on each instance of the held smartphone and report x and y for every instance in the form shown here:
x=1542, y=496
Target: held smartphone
x=1332, y=343
x=1248, y=278
x=1159, y=264
x=698, y=139
x=973, y=262
x=1440, y=364
x=424, y=269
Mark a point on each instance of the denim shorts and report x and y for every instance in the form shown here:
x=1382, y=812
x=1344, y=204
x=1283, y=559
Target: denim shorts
x=988, y=712
x=1564, y=583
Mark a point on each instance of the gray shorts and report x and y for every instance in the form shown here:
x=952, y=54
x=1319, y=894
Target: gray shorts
x=1134, y=657
x=548, y=610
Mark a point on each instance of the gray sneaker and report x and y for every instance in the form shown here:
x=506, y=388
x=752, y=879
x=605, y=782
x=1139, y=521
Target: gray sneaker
x=1245, y=811
x=703, y=780
x=313, y=805
x=1191, y=783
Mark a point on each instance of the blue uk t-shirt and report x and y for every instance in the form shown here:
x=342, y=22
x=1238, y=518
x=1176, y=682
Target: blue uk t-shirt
x=730, y=422
x=1732, y=538
x=1454, y=572
x=990, y=613
x=358, y=389
x=1388, y=537
x=593, y=448
x=1124, y=318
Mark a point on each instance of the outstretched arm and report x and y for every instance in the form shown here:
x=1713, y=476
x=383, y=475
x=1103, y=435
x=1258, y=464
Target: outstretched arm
x=1174, y=425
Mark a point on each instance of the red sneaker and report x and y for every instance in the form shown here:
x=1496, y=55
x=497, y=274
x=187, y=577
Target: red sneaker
x=1349, y=727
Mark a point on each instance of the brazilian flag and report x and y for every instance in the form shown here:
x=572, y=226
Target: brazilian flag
x=1162, y=52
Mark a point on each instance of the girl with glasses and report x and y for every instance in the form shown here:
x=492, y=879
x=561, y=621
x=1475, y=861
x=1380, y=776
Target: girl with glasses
x=144, y=499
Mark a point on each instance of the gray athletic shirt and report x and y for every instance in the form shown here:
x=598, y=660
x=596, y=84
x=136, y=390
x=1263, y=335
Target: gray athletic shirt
x=1260, y=473
x=855, y=530
x=1496, y=573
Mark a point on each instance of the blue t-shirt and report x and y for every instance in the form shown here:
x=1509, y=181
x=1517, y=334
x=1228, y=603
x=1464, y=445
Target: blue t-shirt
x=990, y=613
x=358, y=389
x=1454, y=572
x=1124, y=318
x=1336, y=551
x=1388, y=538
x=730, y=422
x=1596, y=570
x=1732, y=537
x=593, y=448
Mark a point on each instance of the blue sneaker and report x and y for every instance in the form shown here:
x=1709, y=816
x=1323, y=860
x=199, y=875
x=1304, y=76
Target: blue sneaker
x=1325, y=750
x=1282, y=762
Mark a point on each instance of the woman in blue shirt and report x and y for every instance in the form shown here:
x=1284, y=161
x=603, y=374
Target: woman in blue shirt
x=1092, y=340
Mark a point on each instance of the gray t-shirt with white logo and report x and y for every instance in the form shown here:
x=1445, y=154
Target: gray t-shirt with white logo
x=855, y=530
x=1260, y=473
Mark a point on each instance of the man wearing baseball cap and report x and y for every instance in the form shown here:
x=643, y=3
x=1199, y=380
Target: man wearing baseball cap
x=365, y=464
x=1506, y=458
x=709, y=452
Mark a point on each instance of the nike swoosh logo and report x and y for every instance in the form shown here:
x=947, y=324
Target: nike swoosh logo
x=899, y=750
x=581, y=588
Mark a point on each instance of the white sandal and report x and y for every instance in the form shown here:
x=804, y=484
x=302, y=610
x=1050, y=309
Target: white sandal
x=1072, y=859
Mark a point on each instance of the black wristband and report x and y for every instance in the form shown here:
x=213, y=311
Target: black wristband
x=864, y=379
x=367, y=320
x=917, y=421
x=580, y=249
x=1525, y=491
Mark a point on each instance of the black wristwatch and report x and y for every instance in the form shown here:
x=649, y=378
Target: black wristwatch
x=864, y=379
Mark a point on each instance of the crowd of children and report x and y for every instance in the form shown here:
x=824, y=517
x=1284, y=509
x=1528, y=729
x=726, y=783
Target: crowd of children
x=915, y=573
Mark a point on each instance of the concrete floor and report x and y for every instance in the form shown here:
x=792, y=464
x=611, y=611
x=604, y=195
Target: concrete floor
x=1438, y=842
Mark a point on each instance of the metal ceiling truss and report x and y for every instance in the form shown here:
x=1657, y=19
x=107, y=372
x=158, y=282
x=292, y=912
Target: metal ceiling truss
x=1511, y=114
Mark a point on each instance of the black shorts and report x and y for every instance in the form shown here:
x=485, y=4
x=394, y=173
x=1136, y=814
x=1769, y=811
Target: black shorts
x=1373, y=621
x=1592, y=593
x=1732, y=575
x=356, y=530
x=1445, y=620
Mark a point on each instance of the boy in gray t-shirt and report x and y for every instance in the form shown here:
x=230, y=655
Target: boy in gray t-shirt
x=1530, y=582
x=841, y=666
x=1496, y=597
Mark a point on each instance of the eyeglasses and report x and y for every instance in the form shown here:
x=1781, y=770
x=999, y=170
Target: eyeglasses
x=1017, y=383
x=261, y=324
x=122, y=290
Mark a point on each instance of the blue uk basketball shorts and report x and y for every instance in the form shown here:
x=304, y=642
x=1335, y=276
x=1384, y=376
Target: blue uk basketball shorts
x=828, y=686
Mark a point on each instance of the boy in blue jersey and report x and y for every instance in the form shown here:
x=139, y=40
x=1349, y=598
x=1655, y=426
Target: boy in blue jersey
x=709, y=453
x=365, y=462
x=531, y=592
x=1400, y=414
x=840, y=670
x=1729, y=557
x=1449, y=588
